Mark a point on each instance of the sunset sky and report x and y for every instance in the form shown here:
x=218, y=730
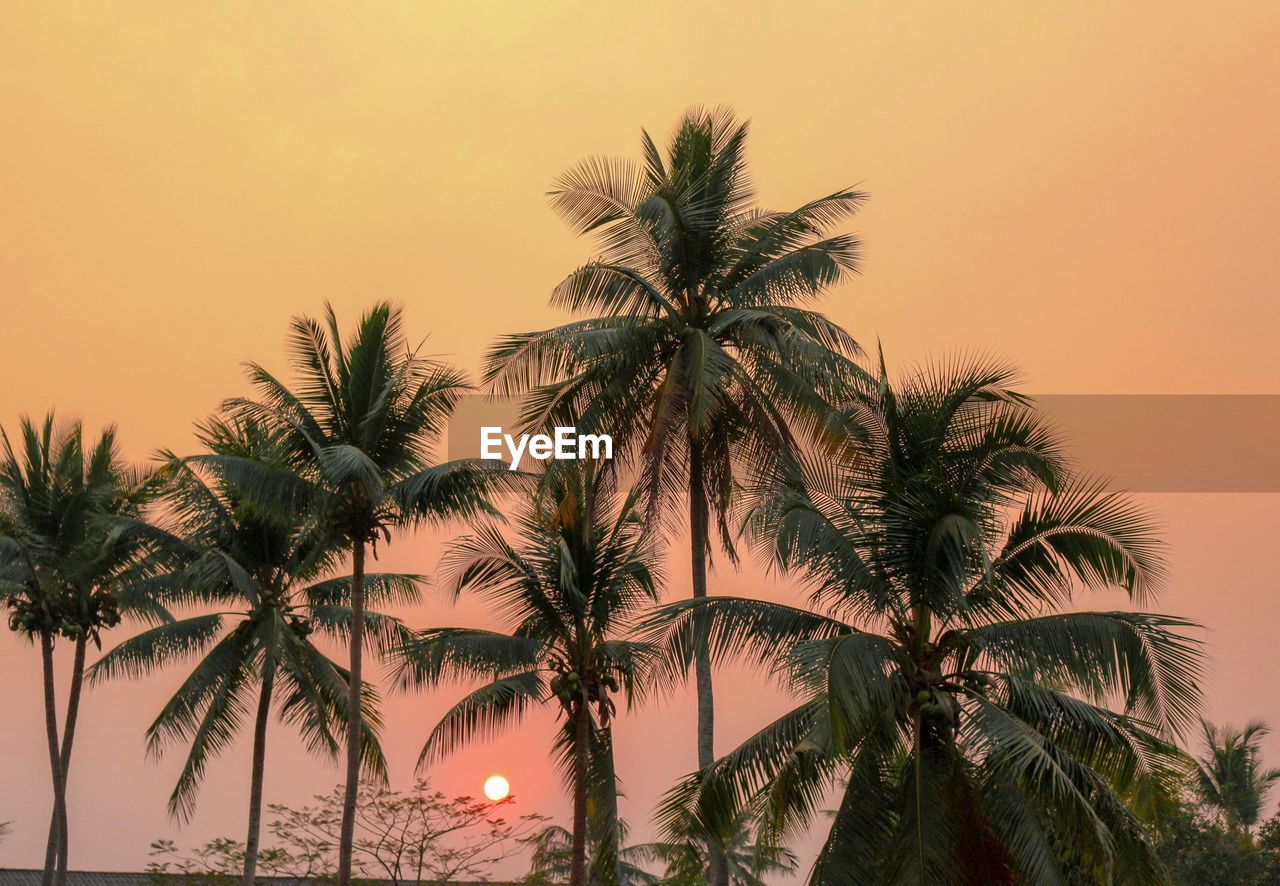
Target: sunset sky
x=1087, y=189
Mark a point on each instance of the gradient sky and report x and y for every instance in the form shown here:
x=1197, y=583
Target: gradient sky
x=1088, y=189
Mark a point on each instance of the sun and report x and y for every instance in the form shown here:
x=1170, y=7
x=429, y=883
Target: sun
x=496, y=788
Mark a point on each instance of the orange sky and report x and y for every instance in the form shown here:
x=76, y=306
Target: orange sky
x=1087, y=189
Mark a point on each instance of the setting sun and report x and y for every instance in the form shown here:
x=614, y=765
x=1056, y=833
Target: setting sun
x=496, y=788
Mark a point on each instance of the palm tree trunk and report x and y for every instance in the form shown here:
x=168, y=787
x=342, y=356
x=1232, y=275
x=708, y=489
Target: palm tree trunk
x=699, y=520
x=68, y=735
x=52, y=876
x=699, y=530
x=51, y=845
x=351, y=792
x=607, y=840
x=581, y=754
x=55, y=834
x=259, y=768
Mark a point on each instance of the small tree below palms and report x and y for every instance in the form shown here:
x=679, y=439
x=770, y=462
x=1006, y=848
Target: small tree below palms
x=402, y=837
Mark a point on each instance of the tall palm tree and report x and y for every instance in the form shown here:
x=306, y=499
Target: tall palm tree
x=359, y=429
x=61, y=559
x=984, y=733
x=694, y=350
x=1230, y=778
x=265, y=570
x=584, y=569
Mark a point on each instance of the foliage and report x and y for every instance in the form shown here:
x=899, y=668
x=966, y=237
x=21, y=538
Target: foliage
x=982, y=734
x=1230, y=779
x=1197, y=850
x=1203, y=840
x=417, y=836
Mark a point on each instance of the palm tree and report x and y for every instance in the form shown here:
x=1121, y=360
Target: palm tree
x=265, y=571
x=358, y=429
x=748, y=860
x=583, y=571
x=694, y=350
x=984, y=734
x=61, y=561
x=1229, y=777
x=552, y=858
x=683, y=860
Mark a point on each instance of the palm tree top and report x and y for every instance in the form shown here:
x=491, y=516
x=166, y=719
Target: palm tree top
x=569, y=589
x=63, y=507
x=684, y=225
x=694, y=347
x=959, y=498
x=358, y=430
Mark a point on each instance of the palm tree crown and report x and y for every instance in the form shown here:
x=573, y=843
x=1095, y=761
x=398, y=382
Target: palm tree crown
x=695, y=341
x=61, y=555
x=359, y=430
x=982, y=735
x=584, y=571
x=1230, y=777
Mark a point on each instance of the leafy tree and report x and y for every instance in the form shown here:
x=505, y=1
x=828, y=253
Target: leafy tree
x=1198, y=850
x=61, y=561
x=266, y=570
x=418, y=836
x=358, y=430
x=694, y=350
x=984, y=732
x=1268, y=843
x=1230, y=779
x=584, y=569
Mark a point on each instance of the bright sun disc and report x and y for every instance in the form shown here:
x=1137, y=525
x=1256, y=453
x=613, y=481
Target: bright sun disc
x=496, y=788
